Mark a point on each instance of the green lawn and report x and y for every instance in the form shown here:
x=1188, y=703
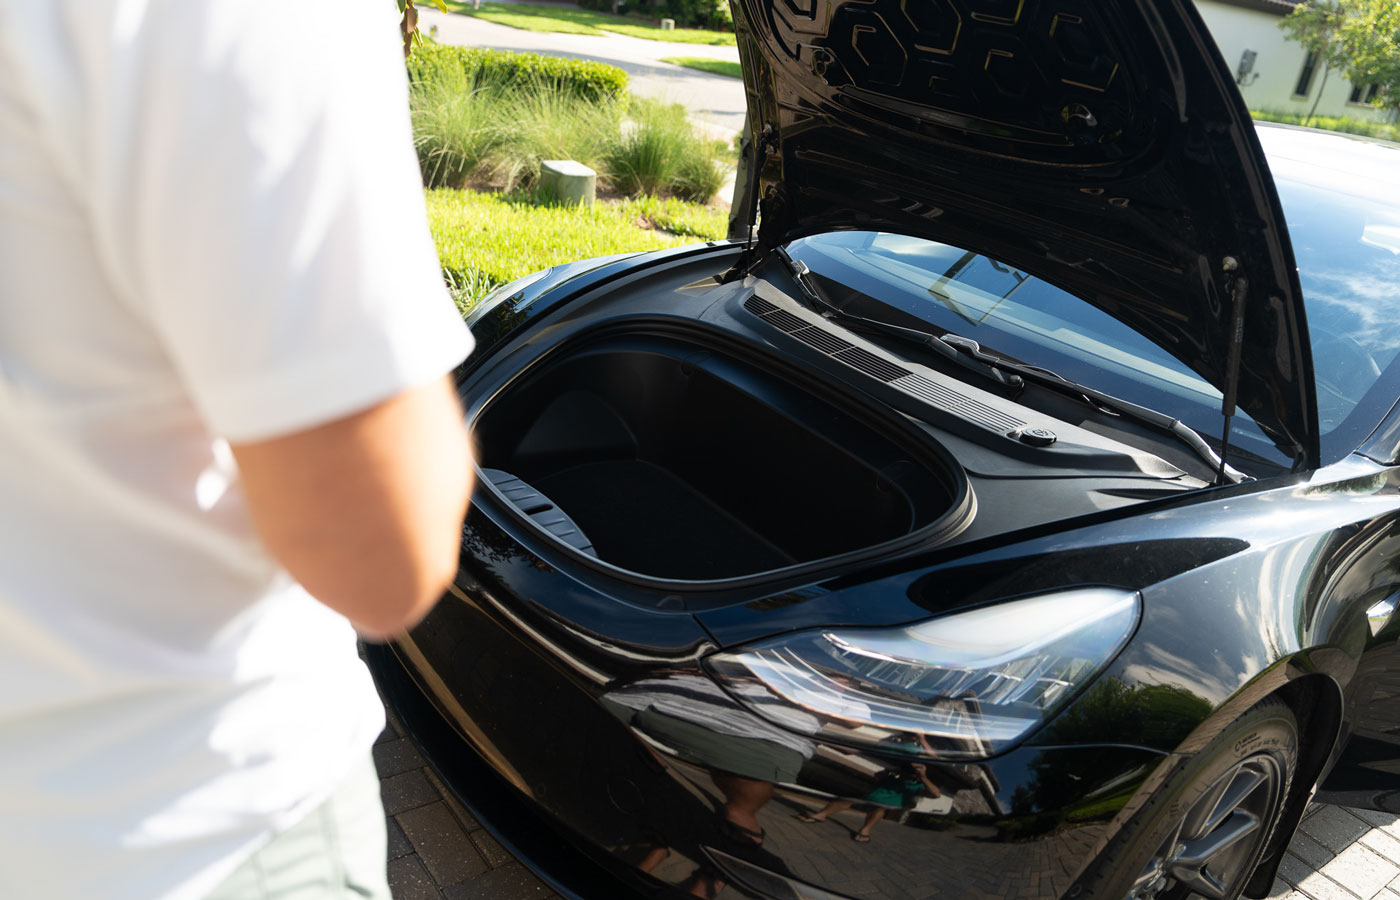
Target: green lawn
x=569, y=20
x=715, y=66
x=484, y=240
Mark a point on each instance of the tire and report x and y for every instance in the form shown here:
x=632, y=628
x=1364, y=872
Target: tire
x=1176, y=846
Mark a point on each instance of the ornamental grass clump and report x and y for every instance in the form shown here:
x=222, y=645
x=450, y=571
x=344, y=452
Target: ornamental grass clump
x=545, y=124
x=455, y=130
x=643, y=158
x=658, y=152
x=699, y=174
x=483, y=120
x=492, y=115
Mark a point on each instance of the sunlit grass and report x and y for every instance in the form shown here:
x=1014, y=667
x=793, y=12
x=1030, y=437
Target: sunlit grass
x=705, y=64
x=567, y=20
x=485, y=240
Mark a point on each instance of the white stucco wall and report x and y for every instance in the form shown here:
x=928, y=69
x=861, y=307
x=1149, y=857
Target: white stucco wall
x=1278, y=64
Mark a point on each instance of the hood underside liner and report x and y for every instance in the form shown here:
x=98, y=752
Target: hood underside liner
x=1100, y=146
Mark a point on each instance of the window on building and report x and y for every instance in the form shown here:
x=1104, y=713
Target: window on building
x=1363, y=93
x=1305, y=77
x=1246, y=69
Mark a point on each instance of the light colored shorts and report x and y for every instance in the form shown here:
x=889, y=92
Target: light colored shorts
x=338, y=851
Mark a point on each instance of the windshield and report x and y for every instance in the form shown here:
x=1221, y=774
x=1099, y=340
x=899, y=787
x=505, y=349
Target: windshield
x=1341, y=198
x=912, y=281
x=1348, y=250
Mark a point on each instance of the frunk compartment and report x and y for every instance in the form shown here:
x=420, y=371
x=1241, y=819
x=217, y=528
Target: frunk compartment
x=680, y=462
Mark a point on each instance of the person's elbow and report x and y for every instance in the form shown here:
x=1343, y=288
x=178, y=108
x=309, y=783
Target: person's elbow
x=366, y=511
x=390, y=595
x=395, y=607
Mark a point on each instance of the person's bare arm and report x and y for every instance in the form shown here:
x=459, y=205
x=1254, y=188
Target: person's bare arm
x=366, y=511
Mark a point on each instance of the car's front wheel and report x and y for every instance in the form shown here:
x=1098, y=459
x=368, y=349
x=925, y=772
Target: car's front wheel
x=1201, y=835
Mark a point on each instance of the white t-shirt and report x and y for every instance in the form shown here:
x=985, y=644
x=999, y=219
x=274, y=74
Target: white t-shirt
x=211, y=227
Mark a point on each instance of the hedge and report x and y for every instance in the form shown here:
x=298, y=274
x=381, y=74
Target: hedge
x=703, y=13
x=586, y=79
x=1364, y=127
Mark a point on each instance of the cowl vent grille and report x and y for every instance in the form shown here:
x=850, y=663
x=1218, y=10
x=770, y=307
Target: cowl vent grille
x=758, y=306
x=871, y=364
x=934, y=394
x=824, y=341
x=958, y=404
x=785, y=320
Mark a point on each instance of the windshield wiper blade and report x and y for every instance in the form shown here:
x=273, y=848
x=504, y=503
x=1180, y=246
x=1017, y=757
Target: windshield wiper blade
x=932, y=342
x=1147, y=416
x=968, y=353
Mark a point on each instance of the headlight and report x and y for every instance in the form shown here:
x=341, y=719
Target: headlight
x=504, y=292
x=964, y=686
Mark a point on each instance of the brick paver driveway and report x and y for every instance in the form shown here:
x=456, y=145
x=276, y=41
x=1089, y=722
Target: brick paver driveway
x=437, y=851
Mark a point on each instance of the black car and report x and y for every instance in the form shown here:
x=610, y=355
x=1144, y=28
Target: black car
x=1006, y=515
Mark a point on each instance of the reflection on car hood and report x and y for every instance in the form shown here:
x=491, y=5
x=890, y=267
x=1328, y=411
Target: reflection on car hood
x=1099, y=144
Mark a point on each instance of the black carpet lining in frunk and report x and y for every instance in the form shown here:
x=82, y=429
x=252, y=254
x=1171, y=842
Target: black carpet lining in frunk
x=644, y=518
x=680, y=463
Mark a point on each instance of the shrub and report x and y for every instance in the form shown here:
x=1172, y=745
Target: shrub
x=1383, y=130
x=455, y=130
x=476, y=121
x=551, y=125
x=477, y=67
x=698, y=176
x=659, y=152
x=491, y=112
x=643, y=159
x=705, y=13
x=604, y=5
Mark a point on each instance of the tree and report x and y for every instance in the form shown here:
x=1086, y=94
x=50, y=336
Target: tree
x=1360, y=37
x=408, y=25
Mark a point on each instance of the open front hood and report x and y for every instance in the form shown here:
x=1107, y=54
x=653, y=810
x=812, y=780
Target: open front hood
x=1098, y=144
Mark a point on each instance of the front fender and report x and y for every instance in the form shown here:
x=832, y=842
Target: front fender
x=502, y=315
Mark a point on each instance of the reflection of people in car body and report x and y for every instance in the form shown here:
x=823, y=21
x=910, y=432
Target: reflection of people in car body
x=896, y=790
x=745, y=757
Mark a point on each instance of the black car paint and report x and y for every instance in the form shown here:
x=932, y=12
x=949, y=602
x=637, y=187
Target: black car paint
x=616, y=799
x=495, y=320
x=522, y=668
x=685, y=305
x=1240, y=601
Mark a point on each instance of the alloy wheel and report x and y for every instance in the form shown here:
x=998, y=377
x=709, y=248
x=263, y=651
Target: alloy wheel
x=1211, y=850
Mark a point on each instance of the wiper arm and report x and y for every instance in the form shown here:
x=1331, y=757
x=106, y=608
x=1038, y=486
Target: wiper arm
x=802, y=275
x=1150, y=417
x=969, y=354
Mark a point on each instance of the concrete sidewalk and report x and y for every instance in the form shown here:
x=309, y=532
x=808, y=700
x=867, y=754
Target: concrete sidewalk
x=716, y=100
x=437, y=851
